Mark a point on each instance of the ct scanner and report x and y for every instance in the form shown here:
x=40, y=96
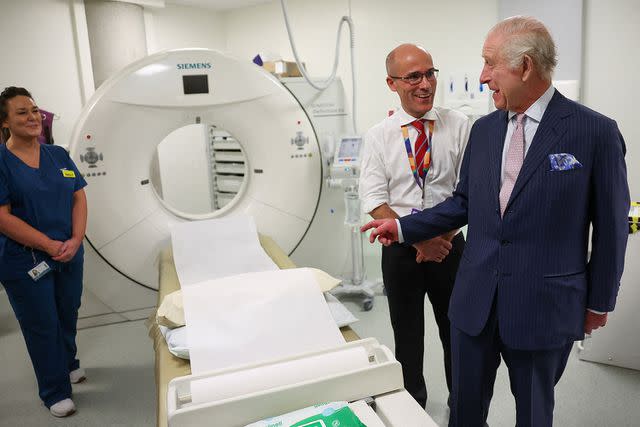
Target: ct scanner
x=116, y=136
x=285, y=189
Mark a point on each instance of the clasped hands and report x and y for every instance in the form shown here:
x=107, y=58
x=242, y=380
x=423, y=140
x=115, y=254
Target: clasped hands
x=63, y=251
x=386, y=231
x=435, y=249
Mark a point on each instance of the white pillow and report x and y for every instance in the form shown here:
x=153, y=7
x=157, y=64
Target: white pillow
x=176, y=341
x=325, y=280
x=171, y=311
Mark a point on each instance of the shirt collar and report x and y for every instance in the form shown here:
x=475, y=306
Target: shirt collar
x=537, y=109
x=405, y=118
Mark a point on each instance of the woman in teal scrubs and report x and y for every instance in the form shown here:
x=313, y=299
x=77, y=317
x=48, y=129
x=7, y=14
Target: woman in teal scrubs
x=43, y=216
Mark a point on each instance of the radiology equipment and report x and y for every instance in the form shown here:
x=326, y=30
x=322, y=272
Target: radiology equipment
x=268, y=150
x=325, y=84
x=242, y=393
x=344, y=174
x=351, y=372
x=267, y=161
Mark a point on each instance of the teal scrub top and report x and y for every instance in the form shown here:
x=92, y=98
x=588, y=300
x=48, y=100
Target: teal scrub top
x=43, y=198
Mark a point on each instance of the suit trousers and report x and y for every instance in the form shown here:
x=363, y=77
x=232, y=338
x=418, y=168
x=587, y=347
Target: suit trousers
x=47, y=311
x=406, y=282
x=532, y=375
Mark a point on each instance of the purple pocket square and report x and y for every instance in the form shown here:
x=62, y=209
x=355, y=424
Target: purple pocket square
x=563, y=162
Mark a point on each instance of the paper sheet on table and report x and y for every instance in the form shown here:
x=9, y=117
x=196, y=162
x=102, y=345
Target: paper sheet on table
x=220, y=247
x=256, y=317
x=341, y=314
x=265, y=377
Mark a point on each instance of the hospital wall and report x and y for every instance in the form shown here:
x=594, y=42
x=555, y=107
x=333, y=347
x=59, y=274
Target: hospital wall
x=610, y=72
x=453, y=31
x=39, y=53
x=176, y=27
x=184, y=170
x=43, y=48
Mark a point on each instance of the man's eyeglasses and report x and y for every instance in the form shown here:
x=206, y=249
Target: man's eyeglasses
x=416, y=78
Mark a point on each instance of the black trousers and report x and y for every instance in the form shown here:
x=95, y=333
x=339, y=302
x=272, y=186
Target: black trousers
x=406, y=282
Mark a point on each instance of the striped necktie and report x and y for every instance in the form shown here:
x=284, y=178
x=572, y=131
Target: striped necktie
x=423, y=160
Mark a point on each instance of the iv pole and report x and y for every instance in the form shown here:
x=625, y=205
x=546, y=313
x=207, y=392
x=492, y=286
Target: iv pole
x=356, y=284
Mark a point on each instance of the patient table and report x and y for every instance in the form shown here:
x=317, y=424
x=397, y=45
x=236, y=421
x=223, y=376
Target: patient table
x=381, y=379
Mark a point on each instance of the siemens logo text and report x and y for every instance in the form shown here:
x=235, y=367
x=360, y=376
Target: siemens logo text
x=194, y=66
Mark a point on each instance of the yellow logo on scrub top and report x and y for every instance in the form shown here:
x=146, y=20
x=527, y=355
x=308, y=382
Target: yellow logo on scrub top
x=68, y=173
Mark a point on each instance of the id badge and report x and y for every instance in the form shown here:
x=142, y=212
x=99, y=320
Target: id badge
x=68, y=173
x=39, y=270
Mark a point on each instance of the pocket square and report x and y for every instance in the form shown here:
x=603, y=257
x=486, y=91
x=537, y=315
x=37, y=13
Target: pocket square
x=563, y=162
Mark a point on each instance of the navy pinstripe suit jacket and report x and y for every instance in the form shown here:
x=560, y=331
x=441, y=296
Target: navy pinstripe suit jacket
x=533, y=263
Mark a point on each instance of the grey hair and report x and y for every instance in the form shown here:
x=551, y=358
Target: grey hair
x=526, y=35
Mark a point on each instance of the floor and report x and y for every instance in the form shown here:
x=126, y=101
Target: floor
x=120, y=389
x=589, y=394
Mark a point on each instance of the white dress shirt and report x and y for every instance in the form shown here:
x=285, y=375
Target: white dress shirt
x=386, y=176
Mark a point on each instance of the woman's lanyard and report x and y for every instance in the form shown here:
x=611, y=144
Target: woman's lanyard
x=427, y=155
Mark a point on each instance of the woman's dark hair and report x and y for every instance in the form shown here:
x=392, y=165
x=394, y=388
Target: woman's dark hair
x=5, y=96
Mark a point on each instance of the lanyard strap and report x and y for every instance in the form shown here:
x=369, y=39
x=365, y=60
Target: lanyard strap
x=412, y=160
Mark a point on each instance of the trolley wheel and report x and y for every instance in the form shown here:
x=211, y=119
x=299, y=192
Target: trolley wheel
x=367, y=305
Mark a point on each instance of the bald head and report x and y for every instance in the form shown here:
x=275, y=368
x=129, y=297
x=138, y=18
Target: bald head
x=404, y=53
x=410, y=73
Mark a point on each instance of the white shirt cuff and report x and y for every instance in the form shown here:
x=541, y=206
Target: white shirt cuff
x=597, y=312
x=370, y=204
x=400, y=236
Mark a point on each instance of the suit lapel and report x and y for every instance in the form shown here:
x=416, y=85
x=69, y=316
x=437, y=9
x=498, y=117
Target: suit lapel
x=550, y=130
x=496, y=144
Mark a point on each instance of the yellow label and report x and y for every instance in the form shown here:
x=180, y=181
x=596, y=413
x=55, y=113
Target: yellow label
x=68, y=173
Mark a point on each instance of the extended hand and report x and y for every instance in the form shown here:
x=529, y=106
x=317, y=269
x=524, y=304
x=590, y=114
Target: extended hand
x=385, y=230
x=593, y=321
x=435, y=249
x=67, y=250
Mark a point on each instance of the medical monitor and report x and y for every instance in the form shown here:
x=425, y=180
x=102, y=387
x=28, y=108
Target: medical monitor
x=348, y=150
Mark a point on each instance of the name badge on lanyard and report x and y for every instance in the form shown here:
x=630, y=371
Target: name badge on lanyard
x=412, y=160
x=39, y=270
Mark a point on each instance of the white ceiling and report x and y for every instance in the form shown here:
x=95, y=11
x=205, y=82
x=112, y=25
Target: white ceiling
x=218, y=4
